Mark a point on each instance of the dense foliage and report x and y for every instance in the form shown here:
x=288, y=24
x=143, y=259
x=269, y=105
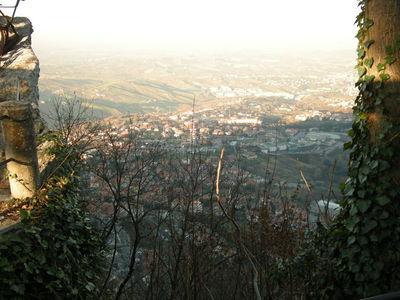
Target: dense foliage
x=364, y=242
x=54, y=252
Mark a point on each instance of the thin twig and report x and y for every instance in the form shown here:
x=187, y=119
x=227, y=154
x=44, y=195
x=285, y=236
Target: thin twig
x=233, y=221
x=305, y=181
x=221, y=156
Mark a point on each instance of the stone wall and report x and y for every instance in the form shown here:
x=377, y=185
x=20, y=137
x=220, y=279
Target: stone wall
x=19, y=67
x=20, y=64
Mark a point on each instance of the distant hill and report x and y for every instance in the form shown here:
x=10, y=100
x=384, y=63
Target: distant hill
x=141, y=84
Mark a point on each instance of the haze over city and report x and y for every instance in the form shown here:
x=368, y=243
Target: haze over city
x=190, y=25
x=266, y=75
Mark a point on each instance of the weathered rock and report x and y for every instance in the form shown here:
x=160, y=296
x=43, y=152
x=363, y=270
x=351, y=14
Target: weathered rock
x=47, y=162
x=19, y=67
x=20, y=147
x=20, y=64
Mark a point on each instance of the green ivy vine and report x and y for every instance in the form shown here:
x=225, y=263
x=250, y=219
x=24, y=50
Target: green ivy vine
x=54, y=252
x=364, y=242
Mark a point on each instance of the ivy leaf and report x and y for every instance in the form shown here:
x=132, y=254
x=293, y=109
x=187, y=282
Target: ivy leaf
x=351, y=239
x=374, y=164
x=18, y=288
x=349, y=192
x=384, y=76
x=368, y=94
x=362, y=116
x=361, y=53
x=352, y=222
x=362, y=240
x=384, y=215
x=381, y=67
x=383, y=94
x=90, y=286
x=389, y=50
x=390, y=60
x=355, y=268
x=383, y=165
x=363, y=205
x=359, y=277
x=369, y=226
x=369, y=78
x=369, y=62
x=360, y=16
x=368, y=43
x=360, y=35
x=347, y=145
x=362, y=178
x=368, y=23
x=353, y=211
x=24, y=214
x=361, y=71
x=382, y=200
x=373, y=238
x=379, y=266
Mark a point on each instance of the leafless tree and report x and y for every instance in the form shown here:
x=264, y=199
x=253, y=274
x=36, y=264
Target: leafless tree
x=181, y=223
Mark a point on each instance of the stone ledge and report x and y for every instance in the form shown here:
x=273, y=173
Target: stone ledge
x=7, y=223
x=20, y=63
x=8, y=226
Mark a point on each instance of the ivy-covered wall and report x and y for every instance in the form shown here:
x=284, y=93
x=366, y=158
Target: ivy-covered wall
x=364, y=242
x=54, y=252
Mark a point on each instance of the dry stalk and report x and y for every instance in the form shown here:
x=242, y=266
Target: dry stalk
x=305, y=181
x=233, y=221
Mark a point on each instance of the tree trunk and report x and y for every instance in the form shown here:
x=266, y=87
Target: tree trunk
x=365, y=239
x=385, y=32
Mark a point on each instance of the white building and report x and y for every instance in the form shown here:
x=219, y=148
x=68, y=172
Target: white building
x=323, y=210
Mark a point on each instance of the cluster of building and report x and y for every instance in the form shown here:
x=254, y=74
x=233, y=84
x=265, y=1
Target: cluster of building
x=229, y=92
x=269, y=125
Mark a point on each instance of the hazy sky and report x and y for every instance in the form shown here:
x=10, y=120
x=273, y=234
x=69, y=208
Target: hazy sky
x=212, y=24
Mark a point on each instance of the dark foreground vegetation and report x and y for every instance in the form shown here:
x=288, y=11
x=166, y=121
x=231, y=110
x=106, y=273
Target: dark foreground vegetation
x=126, y=219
